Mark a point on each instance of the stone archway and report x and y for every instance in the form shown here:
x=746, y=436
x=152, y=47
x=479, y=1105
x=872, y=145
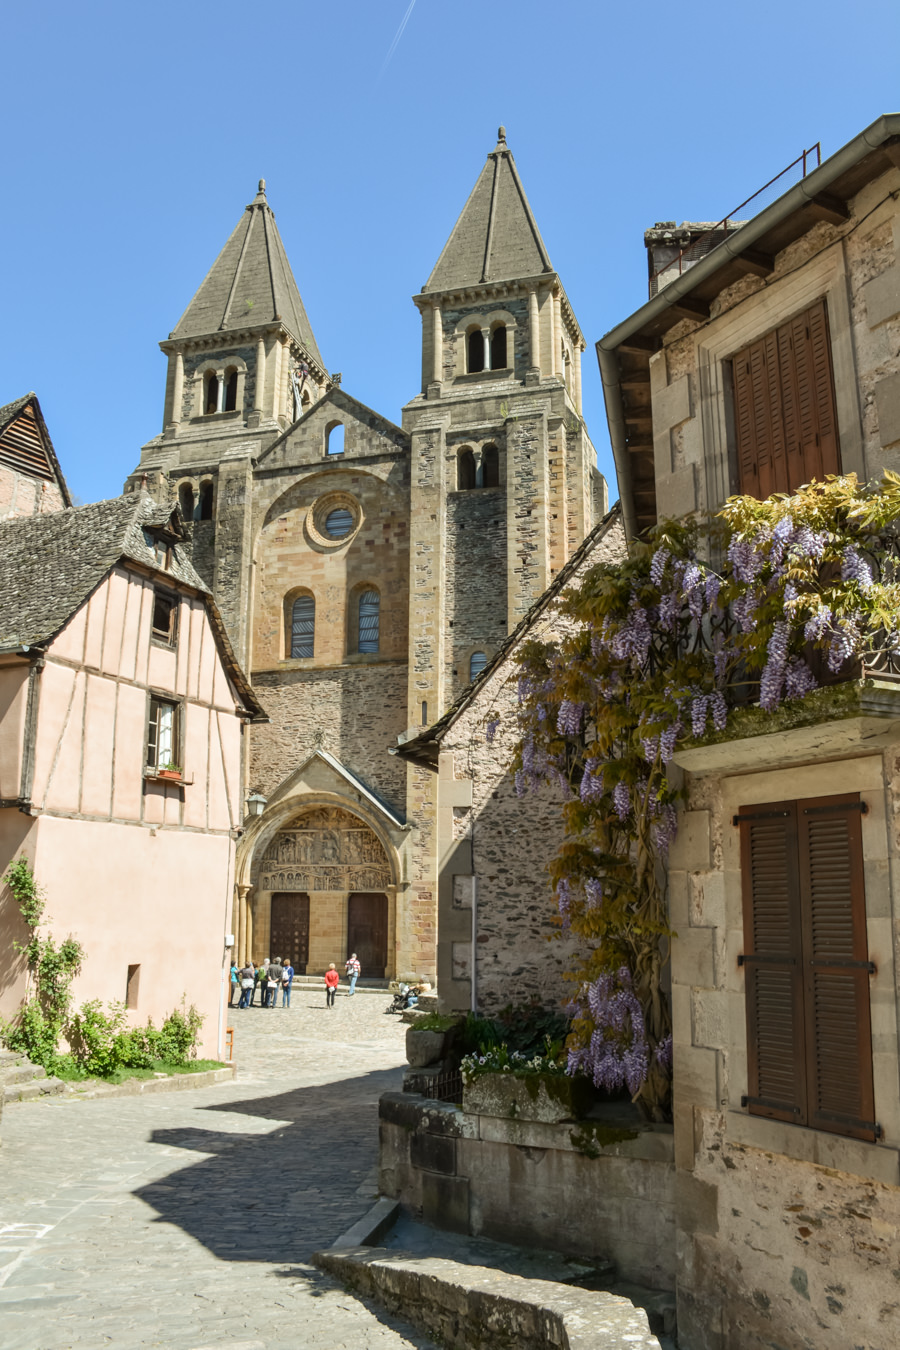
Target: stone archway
x=327, y=854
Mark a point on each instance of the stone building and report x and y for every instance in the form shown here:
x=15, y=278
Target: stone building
x=775, y=359
x=368, y=570
x=122, y=715
x=31, y=481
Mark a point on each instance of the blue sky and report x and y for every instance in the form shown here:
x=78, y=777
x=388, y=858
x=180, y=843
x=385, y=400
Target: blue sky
x=135, y=136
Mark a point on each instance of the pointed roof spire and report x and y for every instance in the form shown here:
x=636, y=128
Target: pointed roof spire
x=250, y=283
x=496, y=237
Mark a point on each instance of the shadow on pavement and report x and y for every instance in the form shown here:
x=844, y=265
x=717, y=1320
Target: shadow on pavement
x=279, y=1196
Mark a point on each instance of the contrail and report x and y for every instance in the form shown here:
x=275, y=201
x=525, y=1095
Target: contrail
x=397, y=36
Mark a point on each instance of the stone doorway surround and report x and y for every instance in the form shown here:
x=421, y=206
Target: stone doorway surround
x=325, y=835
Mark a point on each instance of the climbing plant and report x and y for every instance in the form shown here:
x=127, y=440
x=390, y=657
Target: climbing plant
x=759, y=606
x=37, y=1027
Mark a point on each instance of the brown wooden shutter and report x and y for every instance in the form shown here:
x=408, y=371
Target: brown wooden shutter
x=836, y=966
x=785, y=418
x=776, y=1047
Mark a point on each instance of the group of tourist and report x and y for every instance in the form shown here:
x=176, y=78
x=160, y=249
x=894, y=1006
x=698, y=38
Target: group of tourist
x=271, y=975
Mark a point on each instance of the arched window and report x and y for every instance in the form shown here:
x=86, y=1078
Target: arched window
x=498, y=348
x=206, y=501
x=369, y=606
x=211, y=392
x=305, y=400
x=334, y=439
x=231, y=377
x=475, y=350
x=186, y=501
x=477, y=663
x=303, y=626
x=465, y=471
x=490, y=466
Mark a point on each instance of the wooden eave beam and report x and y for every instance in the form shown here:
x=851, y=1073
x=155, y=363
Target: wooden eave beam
x=829, y=208
x=639, y=343
x=635, y=377
x=690, y=308
x=754, y=263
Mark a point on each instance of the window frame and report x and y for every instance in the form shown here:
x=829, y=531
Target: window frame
x=362, y=593
x=159, y=699
x=291, y=601
x=167, y=638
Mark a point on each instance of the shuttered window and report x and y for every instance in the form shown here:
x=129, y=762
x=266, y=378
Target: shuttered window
x=303, y=626
x=369, y=606
x=784, y=409
x=809, y=1042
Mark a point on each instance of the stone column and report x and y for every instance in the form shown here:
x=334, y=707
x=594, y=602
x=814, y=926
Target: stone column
x=220, y=395
x=248, y=931
x=534, y=330
x=579, y=347
x=243, y=911
x=259, y=386
x=486, y=338
x=478, y=456
x=177, y=389
x=555, y=365
x=437, y=338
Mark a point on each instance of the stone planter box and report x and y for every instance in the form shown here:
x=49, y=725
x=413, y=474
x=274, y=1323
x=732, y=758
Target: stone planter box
x=548, y=1098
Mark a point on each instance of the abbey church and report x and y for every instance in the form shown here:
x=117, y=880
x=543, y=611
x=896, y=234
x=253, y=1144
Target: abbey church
x=366, y=571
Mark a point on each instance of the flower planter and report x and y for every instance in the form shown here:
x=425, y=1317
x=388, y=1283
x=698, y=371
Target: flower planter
x=170, y=775
x=548, y=1098
x=424, y=1047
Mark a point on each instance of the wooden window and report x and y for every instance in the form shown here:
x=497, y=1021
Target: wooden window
x=303, y=626
x=164, y=623
x=498, y=348
x=477, y=663
x=475, y=350
x=163, y=734
x=465, y=471
x=809, y=1042
x=784, y=409
x=369, y=619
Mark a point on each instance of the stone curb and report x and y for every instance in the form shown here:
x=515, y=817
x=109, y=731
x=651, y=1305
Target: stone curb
x=473, y=1308
x=90, y=1089
x=368, y=1230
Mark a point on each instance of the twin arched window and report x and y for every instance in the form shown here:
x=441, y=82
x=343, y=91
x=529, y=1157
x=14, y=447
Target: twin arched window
x=471, y=474
x=475, y=351
x=212, y=383
x=303, y=626
x=476, y=354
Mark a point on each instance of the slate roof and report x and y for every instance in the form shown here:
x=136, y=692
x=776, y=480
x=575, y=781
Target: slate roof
x=8, y=414
x=425, y=748
x=50, y=564
x=496, y=237
x=250, y=283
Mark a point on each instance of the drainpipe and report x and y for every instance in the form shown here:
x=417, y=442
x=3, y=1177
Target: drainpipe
x=474, y=982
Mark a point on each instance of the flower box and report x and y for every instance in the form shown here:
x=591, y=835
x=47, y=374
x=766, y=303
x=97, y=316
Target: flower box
x=545, y=1097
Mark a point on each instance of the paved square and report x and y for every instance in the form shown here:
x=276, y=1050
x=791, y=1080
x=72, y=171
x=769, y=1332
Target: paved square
x=186, y=1221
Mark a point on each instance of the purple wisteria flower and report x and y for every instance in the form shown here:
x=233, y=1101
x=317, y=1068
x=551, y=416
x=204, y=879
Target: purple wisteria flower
x=719, y=709
x=665, y=827
x=746, y=560
x=699, y=709
x=564, y=898
x=649, y=747
x=633, y=637
x=593, y=890
x=667, y=741
x=617, y=1054
x=772, y=681
x=621, y=799
x=658, y=565
x=712, y=586
x=799, y=679
x=744, y=609
x=663, y=1052
x=669, y=611
x=855, y=568
x=491, y=730
x=568, y=719
x=844, y=642
x=818, y=624
x=591, y=789
x=808, y=543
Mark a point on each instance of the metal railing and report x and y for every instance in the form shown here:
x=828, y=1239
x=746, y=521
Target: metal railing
x=699, y=246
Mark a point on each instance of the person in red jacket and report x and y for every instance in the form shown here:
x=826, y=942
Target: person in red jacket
x=331, y=983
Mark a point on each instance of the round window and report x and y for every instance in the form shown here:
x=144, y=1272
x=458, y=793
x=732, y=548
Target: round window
x=338, y=523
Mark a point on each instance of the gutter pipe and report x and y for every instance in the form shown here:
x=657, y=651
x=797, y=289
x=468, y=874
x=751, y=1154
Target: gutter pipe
x=793, y=200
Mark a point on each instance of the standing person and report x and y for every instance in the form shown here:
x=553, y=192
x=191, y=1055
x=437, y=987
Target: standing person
x=332, y=979
x=353, y=971
x=287, y=979
x=258, y=983
x=234, y=984
x=248, y=984
x=273, y=980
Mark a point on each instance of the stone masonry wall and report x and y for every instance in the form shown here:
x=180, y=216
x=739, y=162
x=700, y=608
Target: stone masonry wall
x=475, y=597
x=21, y=495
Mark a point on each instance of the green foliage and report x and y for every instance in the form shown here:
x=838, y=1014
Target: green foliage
x=527, y=1029
x=103, y=1043
x=434, y=1021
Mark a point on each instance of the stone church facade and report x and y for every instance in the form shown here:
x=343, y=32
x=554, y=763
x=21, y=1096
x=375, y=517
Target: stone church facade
x=366, y=570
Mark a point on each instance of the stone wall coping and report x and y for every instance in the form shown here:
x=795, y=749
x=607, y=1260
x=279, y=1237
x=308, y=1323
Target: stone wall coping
x=779, y=749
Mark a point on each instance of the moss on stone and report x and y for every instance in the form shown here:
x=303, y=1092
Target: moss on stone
x=592, y=1137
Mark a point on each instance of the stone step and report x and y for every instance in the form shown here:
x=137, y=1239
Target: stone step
x=38, y=1087
x=22, y=1072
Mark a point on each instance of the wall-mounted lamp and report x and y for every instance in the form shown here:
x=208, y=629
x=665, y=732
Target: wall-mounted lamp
x=256, y=804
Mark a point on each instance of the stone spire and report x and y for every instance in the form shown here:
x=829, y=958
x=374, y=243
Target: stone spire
x=496, y=237
x=250, y=284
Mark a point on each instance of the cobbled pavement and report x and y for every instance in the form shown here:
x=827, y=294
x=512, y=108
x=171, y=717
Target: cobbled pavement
x=187, y=1220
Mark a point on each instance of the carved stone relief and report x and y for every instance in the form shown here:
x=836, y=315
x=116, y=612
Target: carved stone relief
x=326, y=850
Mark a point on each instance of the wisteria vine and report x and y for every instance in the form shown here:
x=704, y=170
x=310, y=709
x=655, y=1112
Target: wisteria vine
x=760, y=605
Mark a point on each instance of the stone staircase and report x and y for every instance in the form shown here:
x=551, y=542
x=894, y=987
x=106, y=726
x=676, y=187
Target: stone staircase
x=22, y=1081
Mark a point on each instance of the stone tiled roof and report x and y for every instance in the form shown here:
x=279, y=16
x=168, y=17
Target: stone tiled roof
x=250, y=284
x=425, y=748
x=496, y=237
x=50, y=564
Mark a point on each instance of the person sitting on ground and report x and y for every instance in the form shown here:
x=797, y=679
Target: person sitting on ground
x=273, y=981
x=332, y=979
x=353, y=971
x=248, y=983
x=287, y=979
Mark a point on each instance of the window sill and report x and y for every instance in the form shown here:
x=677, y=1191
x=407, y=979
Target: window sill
x=474, y=376
x=231, y=416
x=162, y=642
x=162, y=776
x=876, y=1162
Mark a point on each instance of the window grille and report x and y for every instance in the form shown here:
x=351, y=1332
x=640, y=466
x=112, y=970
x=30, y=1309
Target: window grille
x=338, y=523
x=369, y=606
x=303, y=626
x=477, y=663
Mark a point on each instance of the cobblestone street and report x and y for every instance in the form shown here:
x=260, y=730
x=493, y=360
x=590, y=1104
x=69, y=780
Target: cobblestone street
x=187, y=1220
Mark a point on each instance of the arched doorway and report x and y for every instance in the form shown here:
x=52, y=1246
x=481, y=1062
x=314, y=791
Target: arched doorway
x=367, y=932
x=289, y=935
